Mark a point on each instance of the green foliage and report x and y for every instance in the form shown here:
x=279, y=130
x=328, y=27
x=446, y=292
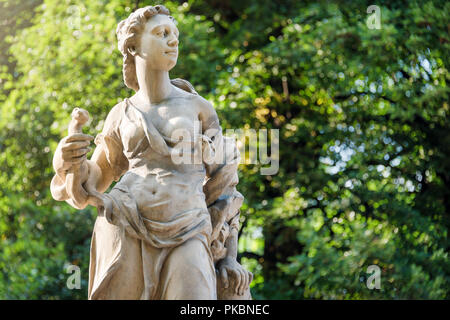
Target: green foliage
x=364, y=144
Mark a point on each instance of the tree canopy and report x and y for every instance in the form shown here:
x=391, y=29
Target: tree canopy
x=362, y=116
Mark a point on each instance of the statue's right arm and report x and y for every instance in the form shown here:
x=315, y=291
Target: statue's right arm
x=70, y=152
x=106, y=165
x=107, y=176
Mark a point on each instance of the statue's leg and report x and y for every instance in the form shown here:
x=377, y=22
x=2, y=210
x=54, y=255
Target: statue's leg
x=116, y=264
x=188, y=272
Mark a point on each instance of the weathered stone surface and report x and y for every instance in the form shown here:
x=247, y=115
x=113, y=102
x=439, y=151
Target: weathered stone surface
x=169, y=228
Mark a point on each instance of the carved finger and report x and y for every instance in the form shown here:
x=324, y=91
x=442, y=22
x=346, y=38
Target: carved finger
x=245, y=286
x=224, y=277
x=73, y=161
x=79, y=137
x=71, y=156
x=250, y=277
x=244, y=281
x=75, y=145
x=249, y=280
x=79, y=152
x=237, y=276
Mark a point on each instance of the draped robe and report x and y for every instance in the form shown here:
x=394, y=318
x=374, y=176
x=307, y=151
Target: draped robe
x=161, y=242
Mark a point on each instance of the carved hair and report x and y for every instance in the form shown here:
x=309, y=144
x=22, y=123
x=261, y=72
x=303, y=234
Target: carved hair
x=128, y=32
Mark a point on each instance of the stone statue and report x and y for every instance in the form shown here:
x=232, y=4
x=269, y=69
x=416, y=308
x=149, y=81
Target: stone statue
x=168, y=229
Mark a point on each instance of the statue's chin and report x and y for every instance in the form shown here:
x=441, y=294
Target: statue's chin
x=171, y=65
x=165, y=66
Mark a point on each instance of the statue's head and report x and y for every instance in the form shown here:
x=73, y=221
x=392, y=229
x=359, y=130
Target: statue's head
x=149, y=34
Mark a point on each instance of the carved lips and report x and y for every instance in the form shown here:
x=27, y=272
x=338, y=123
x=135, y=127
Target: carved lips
x=172, y=52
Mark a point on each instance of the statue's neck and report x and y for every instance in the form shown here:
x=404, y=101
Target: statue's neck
x=154, y=85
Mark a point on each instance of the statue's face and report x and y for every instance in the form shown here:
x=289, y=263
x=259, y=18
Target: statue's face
x=159, y=43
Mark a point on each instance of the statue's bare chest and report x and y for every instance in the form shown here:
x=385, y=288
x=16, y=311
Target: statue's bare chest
x=174, y=118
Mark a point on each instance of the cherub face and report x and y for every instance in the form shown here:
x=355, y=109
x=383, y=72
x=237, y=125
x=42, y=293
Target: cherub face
x=159, y=43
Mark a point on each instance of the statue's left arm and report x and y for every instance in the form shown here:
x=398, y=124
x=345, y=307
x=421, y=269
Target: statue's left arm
x=223, y=200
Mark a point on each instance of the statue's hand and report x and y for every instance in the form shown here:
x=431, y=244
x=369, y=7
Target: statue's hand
x=71, y=151
x=229, y=267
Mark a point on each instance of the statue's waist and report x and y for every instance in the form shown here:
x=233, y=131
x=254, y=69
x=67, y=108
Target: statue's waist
x=162, y=193
x=144, y=167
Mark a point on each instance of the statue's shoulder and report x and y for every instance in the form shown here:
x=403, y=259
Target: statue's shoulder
x=116, y=112
x=184, y=85
x=190, y=93
x=204, y=106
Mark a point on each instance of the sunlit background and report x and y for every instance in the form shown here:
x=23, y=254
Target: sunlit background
x=364, y=137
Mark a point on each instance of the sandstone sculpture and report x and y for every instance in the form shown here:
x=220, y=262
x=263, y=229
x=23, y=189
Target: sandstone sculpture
x=168, y=229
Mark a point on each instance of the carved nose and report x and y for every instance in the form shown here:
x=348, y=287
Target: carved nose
x=173, y=42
